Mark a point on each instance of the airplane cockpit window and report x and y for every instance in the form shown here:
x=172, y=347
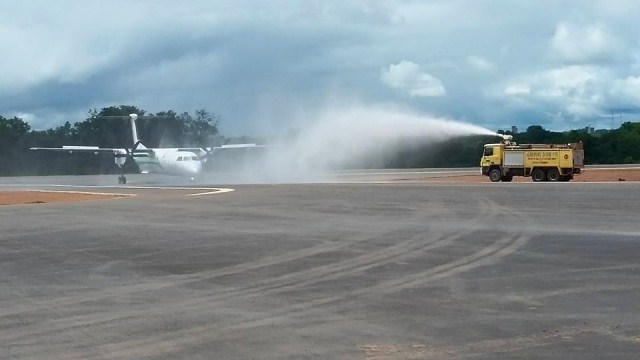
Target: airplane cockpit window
x=179, y=158
x=194, y=158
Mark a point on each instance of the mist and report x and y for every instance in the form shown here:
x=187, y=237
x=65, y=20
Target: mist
x=340, y=138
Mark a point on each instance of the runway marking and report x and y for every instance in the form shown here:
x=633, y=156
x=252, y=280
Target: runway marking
x=135, y=187
x=82, y=192
x=209, y=190
x=444, y=183
x=216, y=191
x=612, y=168
x=410, y=172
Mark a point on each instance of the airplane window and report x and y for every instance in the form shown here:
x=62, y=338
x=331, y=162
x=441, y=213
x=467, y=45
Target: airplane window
x=194, y=158
x=179, y=158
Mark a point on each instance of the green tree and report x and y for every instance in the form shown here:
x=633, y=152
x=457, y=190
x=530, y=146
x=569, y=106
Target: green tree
x=13, y=138
x=201, y=130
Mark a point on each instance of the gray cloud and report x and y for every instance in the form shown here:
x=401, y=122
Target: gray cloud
x=584, y=42
x=498, y=63
x=408, y=76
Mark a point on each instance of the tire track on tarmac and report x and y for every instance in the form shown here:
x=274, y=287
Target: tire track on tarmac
x=176, y=341
x=179, y=280
x=500, y=248
x=205, y=299
x=488, y=255
x=333, y=271
x=275, y=285
x=260, y=287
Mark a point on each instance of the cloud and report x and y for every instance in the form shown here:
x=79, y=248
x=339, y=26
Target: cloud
x=517, y=89
x=407, y=75
x=583, y=43
x=579, y=91
x=480, y=63
x=232, y=56
x=35, y=59
x=627, y=91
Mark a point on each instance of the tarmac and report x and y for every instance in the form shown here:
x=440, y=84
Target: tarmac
x=347, y=269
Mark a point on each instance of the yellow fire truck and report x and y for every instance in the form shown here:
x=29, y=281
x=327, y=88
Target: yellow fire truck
x=543, y=162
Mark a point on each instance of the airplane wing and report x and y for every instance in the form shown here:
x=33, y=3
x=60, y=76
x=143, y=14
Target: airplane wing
x=93, y=149
x=197, y=151
x=236, y=146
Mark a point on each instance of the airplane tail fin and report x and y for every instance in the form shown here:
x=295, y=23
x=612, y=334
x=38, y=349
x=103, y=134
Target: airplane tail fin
x=137, y=145
x=134, y=129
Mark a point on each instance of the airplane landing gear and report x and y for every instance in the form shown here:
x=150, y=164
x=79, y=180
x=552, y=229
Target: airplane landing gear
x=120, y=159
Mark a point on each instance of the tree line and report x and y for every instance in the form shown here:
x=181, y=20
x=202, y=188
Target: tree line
x=171, y=129
x=619, y=146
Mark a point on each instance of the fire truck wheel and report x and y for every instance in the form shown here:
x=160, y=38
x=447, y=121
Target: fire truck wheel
x=495, y=175
x=553, y=175
x=538, y=175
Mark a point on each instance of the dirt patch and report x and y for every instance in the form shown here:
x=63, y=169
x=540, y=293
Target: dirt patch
x=44, y=197
x=589, y=175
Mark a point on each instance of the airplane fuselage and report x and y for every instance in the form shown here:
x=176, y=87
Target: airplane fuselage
x=173, y=161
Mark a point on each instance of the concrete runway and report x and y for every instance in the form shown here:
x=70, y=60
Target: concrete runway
x=337, y=271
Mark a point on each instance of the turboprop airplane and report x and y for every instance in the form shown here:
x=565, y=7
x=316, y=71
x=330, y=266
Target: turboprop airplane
x=174, y=161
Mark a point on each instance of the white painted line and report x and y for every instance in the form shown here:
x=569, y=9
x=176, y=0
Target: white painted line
x=410, y=172
x=208, y=190
x=97, y=186
x=217, y=191
x=110, y=187
x=482, y=184
x=132, y=187
x=612, y=168
x=81, y=192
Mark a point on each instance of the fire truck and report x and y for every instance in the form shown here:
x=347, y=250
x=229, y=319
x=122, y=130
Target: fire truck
x=542, y=162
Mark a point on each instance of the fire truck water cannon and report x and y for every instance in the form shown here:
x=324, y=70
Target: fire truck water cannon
x=506, y=139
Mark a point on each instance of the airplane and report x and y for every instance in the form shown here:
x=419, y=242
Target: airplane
x=173, y=161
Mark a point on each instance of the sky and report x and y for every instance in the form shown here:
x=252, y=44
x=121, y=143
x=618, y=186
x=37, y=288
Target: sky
x=268, y=66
